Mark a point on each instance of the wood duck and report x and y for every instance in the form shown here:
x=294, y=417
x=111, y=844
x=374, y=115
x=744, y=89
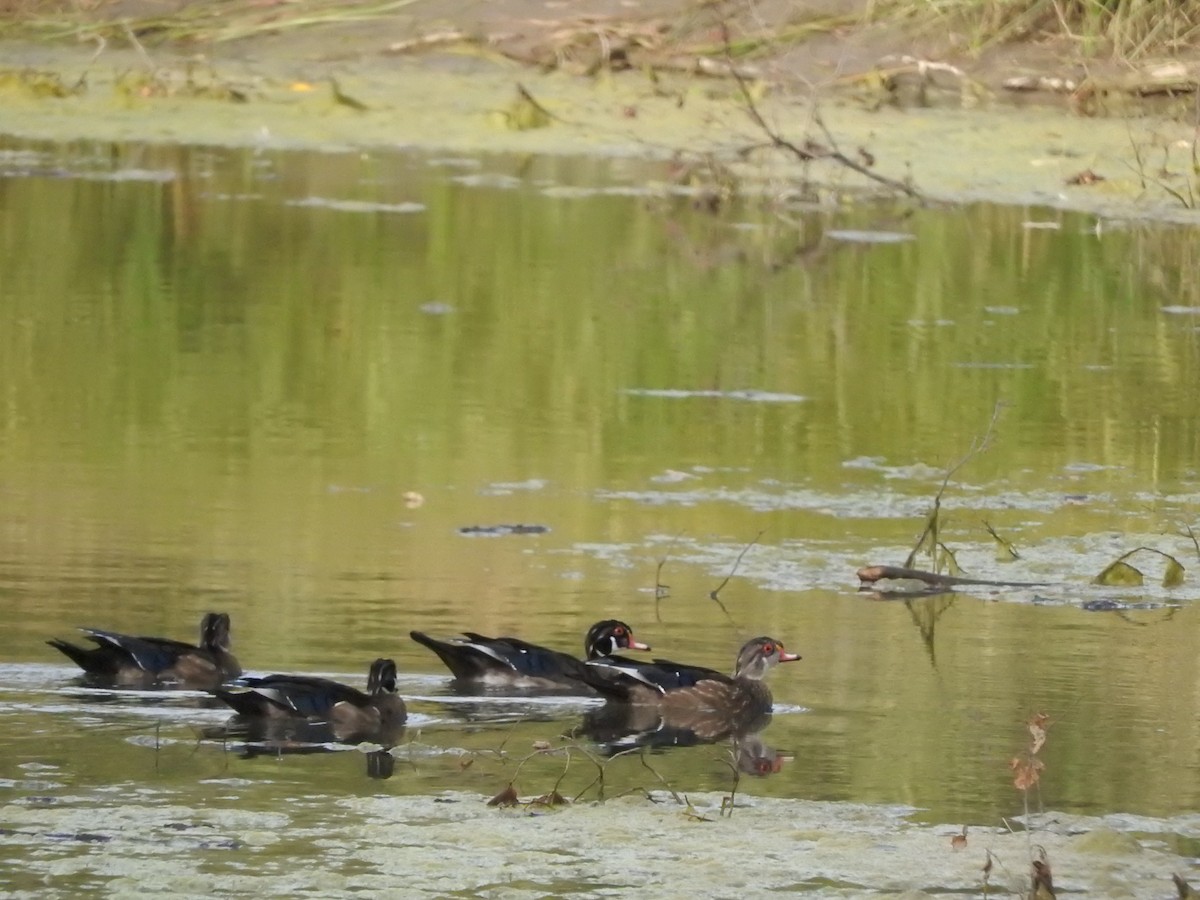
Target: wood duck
x=351, y=714
x=478, y=660
x=686, y=695
x=147, y=661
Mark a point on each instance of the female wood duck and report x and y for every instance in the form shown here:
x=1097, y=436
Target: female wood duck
x=687, y=692
x=352, y=714
x=147, y=661
x=485, y=661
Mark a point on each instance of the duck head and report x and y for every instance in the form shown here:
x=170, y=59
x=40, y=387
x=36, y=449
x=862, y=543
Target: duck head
x=608, y=637
x=759, y=656
x=381, y=679
x=214, y=631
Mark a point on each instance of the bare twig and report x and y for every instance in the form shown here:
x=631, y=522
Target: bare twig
x=137, y=45
x=714, y=594
x=979, y=445
x=599, y=764
x=662, y=591
x=727, y=803
x=553, y=792
x=811, y=150
x=666, y=784
x=532, y=101
x=1192, y=535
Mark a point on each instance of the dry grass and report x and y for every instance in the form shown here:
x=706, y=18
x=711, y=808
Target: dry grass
x=197, y=20
x=1127, y=29
x=1122, y=29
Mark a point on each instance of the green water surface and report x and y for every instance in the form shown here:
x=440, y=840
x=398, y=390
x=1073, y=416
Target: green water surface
x=225, y=375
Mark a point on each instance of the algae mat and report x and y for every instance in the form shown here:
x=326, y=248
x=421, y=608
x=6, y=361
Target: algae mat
x=476, y=104
x=390, y=846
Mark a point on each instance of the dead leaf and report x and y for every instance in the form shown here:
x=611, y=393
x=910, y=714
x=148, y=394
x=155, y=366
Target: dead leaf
x=1005, y=551
x=1085, y=178
x=947, y=562
x=507, y=797
x=1174, y=575
x=344, y=99
x=1043, y=883
x=1037, y=731
x=1027, y=773
x=526, y=113
x=1119, y=574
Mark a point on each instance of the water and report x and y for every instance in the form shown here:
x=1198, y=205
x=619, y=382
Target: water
x=282, y=385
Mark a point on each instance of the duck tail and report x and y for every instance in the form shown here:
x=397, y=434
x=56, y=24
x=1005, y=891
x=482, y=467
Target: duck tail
x=462, y=660
x=91, y=659
x=243, y=702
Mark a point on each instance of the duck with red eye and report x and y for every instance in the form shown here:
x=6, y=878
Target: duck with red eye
x=479, y=661
x=685, y=691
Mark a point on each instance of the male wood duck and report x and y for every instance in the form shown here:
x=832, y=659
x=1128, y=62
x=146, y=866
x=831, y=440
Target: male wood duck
x=351, y=713
x=147, y=661
x=687, y=694
x=478, y=660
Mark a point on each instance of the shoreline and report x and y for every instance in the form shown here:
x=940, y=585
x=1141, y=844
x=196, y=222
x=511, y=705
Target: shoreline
x=281, y=96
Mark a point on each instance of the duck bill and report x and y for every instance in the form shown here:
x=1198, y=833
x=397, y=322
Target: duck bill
x=788, y=657
x=638, y=645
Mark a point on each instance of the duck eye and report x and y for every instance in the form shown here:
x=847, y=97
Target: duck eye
x=768, y=649
x=619, y=631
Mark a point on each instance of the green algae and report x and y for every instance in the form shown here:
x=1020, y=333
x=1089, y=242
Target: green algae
x=452, y=843
x=466, y=105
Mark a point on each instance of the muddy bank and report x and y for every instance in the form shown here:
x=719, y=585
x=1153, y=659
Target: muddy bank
x=340, y=91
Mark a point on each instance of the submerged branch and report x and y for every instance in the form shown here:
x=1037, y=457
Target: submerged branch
x=979, y=445
x=714, y=594
x=871, y=574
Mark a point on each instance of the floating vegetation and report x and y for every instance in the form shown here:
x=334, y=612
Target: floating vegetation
x=524, y=113
x=39, y=84
x=357, y=206
x=751, y=395
x=869, y=237
x=1120, y=573
x=499, y=530
x=189, y=82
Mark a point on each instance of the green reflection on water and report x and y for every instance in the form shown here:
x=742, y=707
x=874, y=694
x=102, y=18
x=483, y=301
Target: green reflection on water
x=216, y=393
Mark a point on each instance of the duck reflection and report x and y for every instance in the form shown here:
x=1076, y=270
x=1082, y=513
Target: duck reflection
x=618, y=727
x=621, y=729
x=752, y=756
x=255, y=737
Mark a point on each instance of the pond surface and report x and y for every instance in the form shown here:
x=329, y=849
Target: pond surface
x=305, y=389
